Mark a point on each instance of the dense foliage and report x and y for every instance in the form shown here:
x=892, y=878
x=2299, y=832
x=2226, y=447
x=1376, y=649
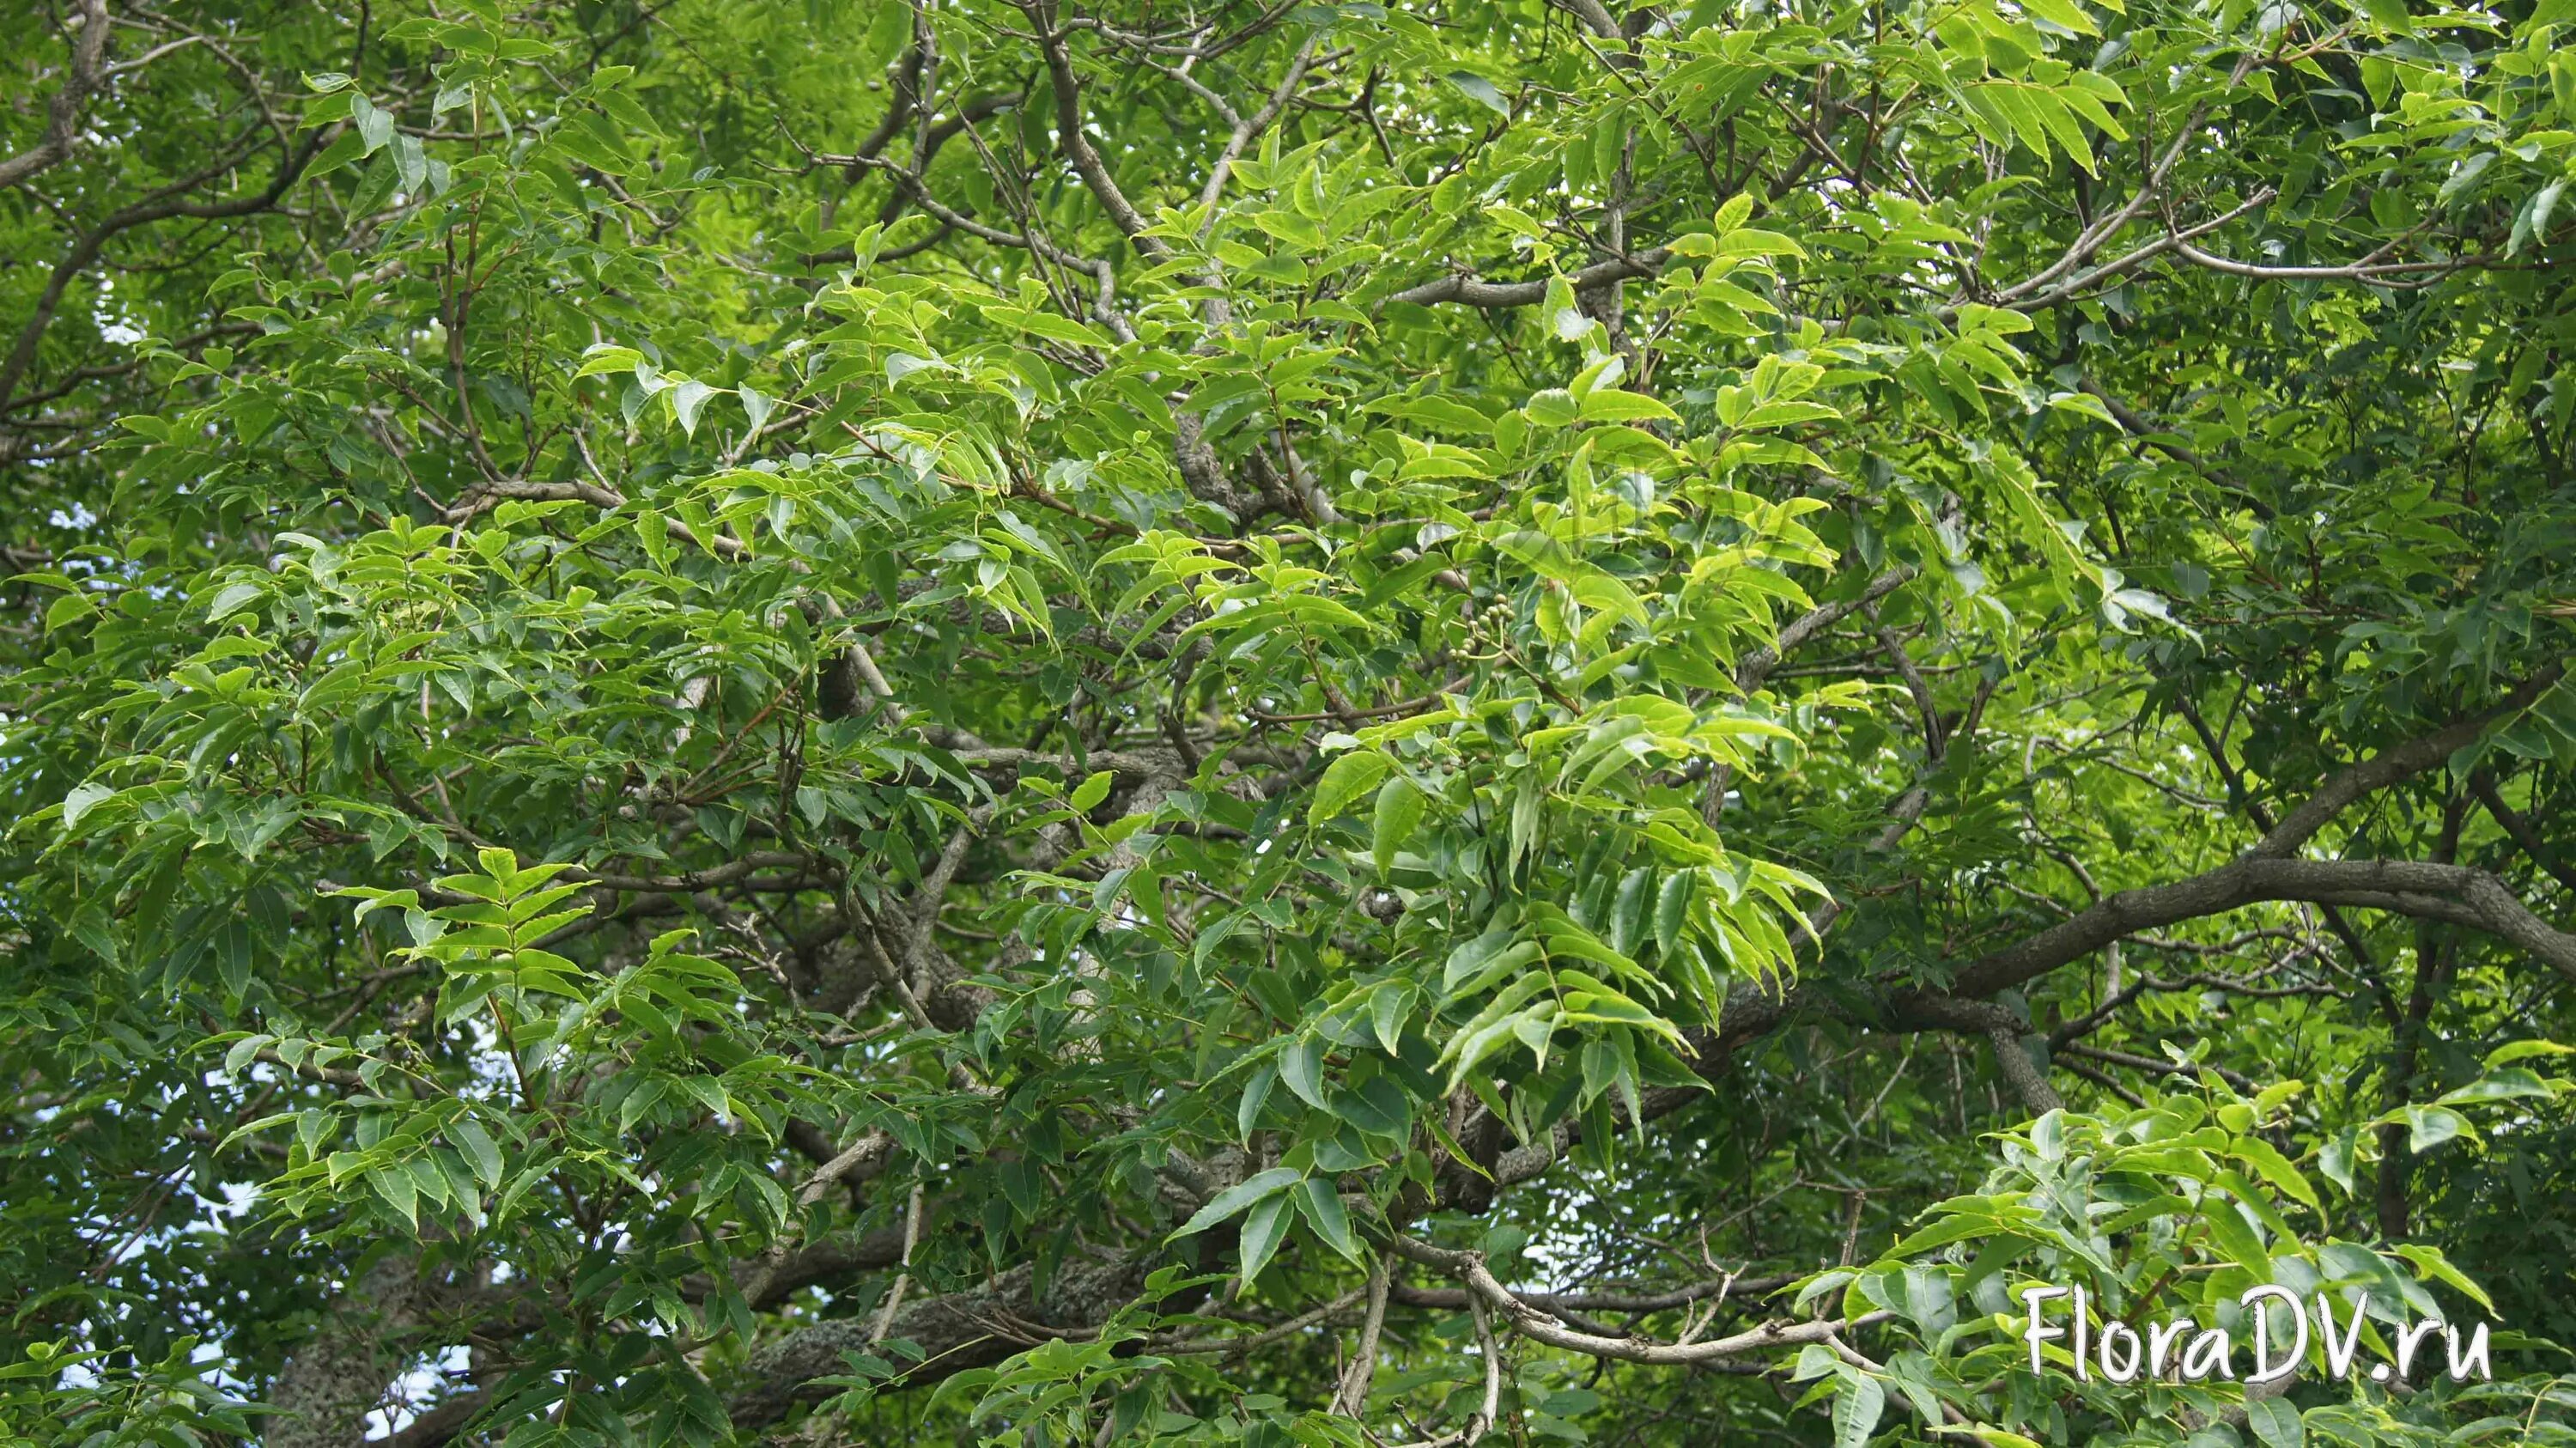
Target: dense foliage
x=999, y=721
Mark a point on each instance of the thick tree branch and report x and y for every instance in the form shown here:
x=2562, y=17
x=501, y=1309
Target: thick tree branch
x=63, y=108
x=1468, y=290
x=1075, y=141
x=956, y=1331
x=2395, y=763
x=2448, y=892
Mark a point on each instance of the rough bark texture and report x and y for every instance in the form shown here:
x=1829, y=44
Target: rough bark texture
x=324, y=1392
x=957, y=1331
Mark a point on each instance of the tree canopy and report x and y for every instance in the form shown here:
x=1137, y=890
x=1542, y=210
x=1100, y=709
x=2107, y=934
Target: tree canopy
x=1095, y=721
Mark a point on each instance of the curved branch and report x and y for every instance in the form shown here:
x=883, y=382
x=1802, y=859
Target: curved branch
x=1468, y=290
x=956, y=1331
x=2455, y=893
x=2444, y=892
x=1454, y=1298
x=2004, y=1032
x=1077, y=146
x=168, y=204
x=1535, y=1323
x=63, y=107
x=1757, y=666
x=2393, y=764
x=965, y=1330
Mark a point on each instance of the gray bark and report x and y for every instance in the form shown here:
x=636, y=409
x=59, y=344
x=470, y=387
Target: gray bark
x=324, y=1392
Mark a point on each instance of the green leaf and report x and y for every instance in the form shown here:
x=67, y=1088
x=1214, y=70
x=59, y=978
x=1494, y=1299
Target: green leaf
x=2232, y=1235
x=395, y=1185
x=2429, y=1126
x=478, y=1147
x=1263, y=1230
x=1610, y=404
x=1552, y=407
x=1928, y=1300
x=350, y=146
x=1997, y=1437
x=2510, y=1084
x=1347, y=778
x=1256, y=1094
x=1091, y=792
x=1319, y=1201
x=375, y=127
x=1399, y=810
x=244, y=1051
x=1628, y=911
x=82, y=800
x=2335, y=1159
x=1237, y=1197
x=67, y=610
x=233, y=598
x=1484, y=92
x=1301, y=1065
x=605, y=357
x=2065, y=14
x=1387, y=1009
x=2523, y=1051
x=2431, y=1265
x=1857, y=1406
x=2276, y=1422
x=1672, y=908
x=686, y=400
x=2276, y=1169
